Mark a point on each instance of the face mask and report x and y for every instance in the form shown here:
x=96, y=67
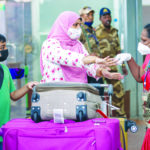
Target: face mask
x=143, y=49
x=74, y=34
x=88, y=23
x=3, y=55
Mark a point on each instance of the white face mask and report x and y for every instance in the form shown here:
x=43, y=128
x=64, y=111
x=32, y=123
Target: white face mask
x=143, y=49
x=74, y=33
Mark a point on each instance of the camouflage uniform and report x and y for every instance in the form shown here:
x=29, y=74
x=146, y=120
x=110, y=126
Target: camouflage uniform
x=92, y=46
x=93, y=41
x=110, y=46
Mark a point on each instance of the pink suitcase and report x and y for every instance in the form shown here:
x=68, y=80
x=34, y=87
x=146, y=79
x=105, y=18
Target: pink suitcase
x=94, y=134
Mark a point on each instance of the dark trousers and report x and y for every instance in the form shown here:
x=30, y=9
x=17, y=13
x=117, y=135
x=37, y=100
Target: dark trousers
x=100, y=81
x=1, y=146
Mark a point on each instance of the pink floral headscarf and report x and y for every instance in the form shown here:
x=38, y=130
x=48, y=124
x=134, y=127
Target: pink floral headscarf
x=59, y=32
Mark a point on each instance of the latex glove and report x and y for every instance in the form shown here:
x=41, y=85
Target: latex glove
x=122, y=57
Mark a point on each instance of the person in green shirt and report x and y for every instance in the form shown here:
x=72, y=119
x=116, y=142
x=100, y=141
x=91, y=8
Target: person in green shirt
x=7, y=88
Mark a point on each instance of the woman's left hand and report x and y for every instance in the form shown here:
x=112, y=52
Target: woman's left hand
x=112, y=75
x=107, y=61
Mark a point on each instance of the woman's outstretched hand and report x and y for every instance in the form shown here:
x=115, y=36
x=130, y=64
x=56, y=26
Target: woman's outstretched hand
x=105, y=72
x=107, y=61
x=104, y=62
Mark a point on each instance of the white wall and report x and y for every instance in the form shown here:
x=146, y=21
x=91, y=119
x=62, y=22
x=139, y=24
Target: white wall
x=146, y=14
x=145, y=2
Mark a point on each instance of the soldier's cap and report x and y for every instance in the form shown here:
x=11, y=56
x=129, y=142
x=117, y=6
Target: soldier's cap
x=85, y=10
x=104, y=11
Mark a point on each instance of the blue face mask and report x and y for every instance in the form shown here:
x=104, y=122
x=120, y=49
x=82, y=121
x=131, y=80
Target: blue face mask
x=88, y=23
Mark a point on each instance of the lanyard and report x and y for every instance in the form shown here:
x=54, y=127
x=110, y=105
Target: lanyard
x=88, y=36
x=147, y=71
x=94, y=36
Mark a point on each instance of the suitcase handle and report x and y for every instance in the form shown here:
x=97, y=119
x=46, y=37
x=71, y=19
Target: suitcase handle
x=98, y=85
x=101, y=113
x=66, y=121
x=109, y=86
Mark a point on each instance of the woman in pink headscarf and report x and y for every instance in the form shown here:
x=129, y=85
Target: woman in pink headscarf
x=64, y=58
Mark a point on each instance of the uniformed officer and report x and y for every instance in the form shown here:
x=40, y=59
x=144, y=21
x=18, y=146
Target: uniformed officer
x=110, y=46
x=89, y=39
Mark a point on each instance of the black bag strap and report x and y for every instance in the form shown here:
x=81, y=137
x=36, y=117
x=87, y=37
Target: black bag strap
x=1, y=76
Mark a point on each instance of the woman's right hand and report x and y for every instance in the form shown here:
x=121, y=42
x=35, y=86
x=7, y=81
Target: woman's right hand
x=105, y=72
x=123, y=57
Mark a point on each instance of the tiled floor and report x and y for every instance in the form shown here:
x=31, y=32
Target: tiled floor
x=134, y=139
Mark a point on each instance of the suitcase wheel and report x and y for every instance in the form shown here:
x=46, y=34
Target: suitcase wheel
x=133, y=129
x=35, y=113
x=81, y=112
x=129, y=124
x=81, y=116
x=35, y=97
x=35, y=117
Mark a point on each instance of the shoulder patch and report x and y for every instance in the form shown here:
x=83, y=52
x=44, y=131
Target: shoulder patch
x=97, y=27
